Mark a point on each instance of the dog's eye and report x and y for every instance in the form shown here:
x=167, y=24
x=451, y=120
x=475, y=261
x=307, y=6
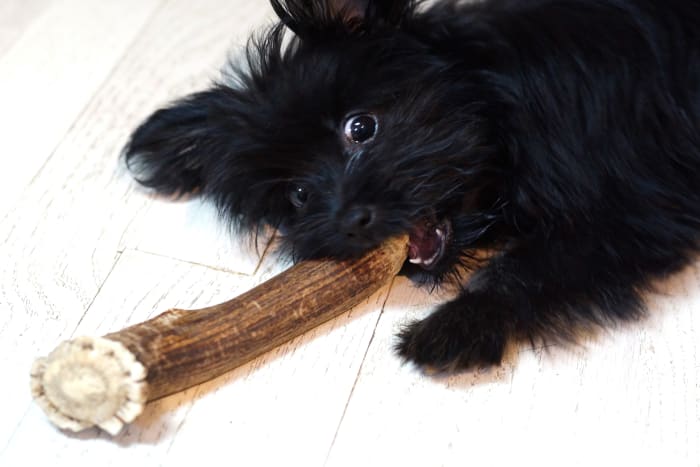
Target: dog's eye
x=298, y=196
x=360, y=128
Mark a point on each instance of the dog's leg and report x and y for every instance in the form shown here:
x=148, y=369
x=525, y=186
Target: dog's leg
x=548, y=291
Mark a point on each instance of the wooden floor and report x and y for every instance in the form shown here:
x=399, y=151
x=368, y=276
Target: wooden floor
x=85, y=251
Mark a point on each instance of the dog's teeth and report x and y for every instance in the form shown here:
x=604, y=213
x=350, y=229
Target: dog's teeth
x=439, y=232
x=416, y=260
x=432, y=260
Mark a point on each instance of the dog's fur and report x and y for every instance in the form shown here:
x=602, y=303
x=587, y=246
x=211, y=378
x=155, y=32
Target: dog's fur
x=562, y=135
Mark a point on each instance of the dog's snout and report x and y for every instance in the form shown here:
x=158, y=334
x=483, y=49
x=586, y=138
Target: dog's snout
x=358, y=220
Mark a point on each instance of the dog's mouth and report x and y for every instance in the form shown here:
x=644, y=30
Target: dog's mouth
x=428, y=242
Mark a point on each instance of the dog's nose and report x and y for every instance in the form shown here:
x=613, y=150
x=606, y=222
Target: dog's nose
x=357, y=220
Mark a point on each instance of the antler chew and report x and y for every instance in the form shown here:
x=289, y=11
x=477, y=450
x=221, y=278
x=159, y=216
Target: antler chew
x=106, y=381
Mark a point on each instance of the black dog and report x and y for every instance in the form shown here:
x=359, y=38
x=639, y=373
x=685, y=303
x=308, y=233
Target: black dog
x=561, y=135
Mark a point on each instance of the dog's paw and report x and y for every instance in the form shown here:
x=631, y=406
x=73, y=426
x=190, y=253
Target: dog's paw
x=453, y=339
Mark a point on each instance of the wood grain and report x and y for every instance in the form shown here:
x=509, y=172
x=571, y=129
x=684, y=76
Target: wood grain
x=16, y=17
x=50, y=74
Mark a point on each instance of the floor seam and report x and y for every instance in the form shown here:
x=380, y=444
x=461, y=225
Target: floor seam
x=97, y=293
x=359, y=372
x=192, y=263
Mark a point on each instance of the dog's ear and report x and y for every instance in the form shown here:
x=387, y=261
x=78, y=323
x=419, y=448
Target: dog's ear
x=170, y=149
x=215, y=143
x=307, y=18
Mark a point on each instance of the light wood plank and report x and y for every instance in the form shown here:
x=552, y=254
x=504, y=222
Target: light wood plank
x=15, y=17
x=61, y=239
x=192, y=231
x=628, y=398
x=50, y=74
x=239, y=416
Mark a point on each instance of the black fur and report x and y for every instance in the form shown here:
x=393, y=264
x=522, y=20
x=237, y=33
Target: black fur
x=562, y=135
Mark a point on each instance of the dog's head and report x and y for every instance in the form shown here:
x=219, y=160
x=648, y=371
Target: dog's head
x=347, y=131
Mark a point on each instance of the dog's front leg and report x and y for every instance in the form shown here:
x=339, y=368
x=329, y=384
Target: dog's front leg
x=533, y=292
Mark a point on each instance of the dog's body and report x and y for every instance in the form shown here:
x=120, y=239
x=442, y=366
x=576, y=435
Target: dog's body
x=563, y=134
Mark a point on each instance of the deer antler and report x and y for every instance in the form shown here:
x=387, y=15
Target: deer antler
x=106, y=381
